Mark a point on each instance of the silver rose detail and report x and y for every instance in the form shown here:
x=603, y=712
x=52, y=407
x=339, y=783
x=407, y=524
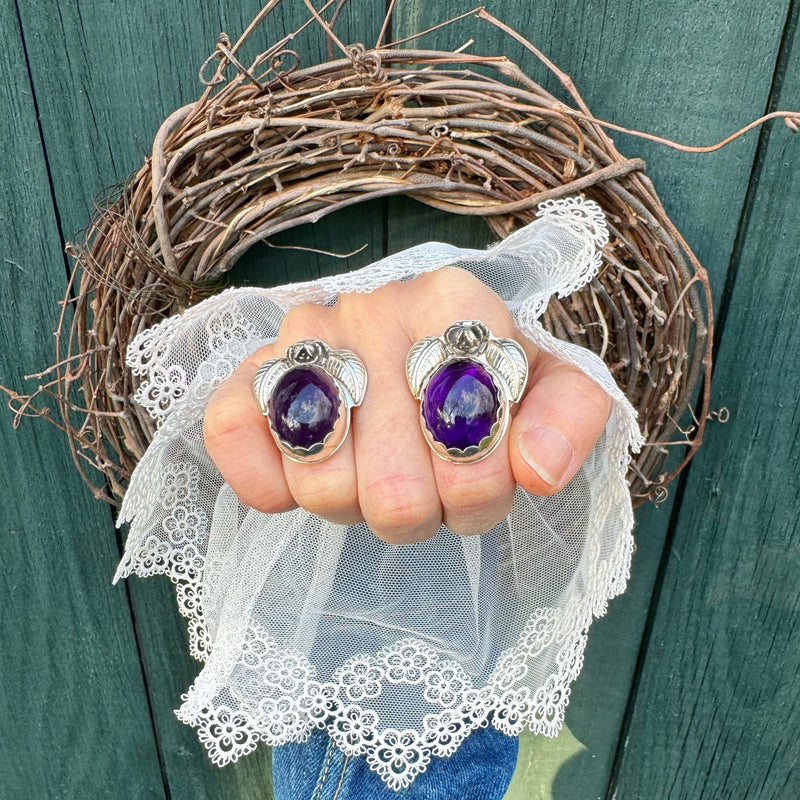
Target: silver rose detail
x=468, y=337
x=307, y=351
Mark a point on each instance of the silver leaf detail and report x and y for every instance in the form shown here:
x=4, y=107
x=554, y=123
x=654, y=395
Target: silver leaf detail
x=423, y=358
x=508, y=358
x=267, y=376
x=346, y=367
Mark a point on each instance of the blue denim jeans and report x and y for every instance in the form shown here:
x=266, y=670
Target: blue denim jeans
x=481, y=769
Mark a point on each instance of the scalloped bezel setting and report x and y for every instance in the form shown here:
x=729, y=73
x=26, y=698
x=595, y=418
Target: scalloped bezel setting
x=461, y=409
x=466, y=380
x=307, y=396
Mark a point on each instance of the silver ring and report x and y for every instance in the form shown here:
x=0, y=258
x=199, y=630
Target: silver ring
x=307, y=395
x=466, y=381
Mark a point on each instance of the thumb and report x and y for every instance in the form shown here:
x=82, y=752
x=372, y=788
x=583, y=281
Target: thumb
x=558, y=423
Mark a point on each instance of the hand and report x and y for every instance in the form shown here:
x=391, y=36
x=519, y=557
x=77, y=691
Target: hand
x=384, y=473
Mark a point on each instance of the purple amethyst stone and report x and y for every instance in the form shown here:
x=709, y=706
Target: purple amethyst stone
x=305, y=406
x=460, y=404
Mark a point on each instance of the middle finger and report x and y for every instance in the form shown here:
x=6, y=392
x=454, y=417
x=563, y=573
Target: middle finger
x=396, y=486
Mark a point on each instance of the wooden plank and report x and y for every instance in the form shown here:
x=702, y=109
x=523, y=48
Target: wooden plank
x=72, y=696
x=100, y=107
x=693, y=71
x=718, y=708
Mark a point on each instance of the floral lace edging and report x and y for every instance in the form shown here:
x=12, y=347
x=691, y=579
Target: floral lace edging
x=230, y=725
x=291, y=701
x=176, y=551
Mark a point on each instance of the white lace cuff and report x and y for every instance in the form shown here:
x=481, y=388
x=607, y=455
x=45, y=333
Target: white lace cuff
x=398, y=651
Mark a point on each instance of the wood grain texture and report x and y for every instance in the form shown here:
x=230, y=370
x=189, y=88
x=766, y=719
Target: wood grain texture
x=106, y=76
x=718, y=711
x=691, y=71
x=75, y=721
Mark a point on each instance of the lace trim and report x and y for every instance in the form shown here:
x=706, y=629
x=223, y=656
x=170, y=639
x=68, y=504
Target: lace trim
x=228, y=336
x=284, y=698
x=290, y=701
x=178, y=555
x=293, y=701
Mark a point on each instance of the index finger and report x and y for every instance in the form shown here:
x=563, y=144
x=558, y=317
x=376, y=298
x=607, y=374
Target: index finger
x=238, y=439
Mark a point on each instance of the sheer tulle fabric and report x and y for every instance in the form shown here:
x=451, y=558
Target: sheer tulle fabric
x=398, y=651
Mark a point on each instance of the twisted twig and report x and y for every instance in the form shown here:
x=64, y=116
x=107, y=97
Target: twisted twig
x=269, y=148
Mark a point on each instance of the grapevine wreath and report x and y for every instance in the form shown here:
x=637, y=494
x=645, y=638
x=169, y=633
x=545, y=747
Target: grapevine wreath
x=399, y=652
x=274, y=144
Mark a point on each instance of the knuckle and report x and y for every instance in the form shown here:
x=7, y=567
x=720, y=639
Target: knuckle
x=330, y=492
x=592, y=395
x=478, y=523
x=477, y=498
x=399, y=510
x=455, y=282
x=401, y=515
x=269, y=495
x=228, y=418
x=463, y=296
x=451, y=275
x=356, y=313
x=478, y=517
x=256, y=359
x=265, y=499
x=461, y=282
x=307, y=320
x=581, y=393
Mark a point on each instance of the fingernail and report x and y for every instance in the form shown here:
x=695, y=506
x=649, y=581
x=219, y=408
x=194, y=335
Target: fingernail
x=547, y=452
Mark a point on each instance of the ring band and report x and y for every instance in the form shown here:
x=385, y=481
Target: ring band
x=307, y=395
x=466, y=381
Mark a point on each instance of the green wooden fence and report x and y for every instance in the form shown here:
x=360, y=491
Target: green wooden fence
x=690, y=688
